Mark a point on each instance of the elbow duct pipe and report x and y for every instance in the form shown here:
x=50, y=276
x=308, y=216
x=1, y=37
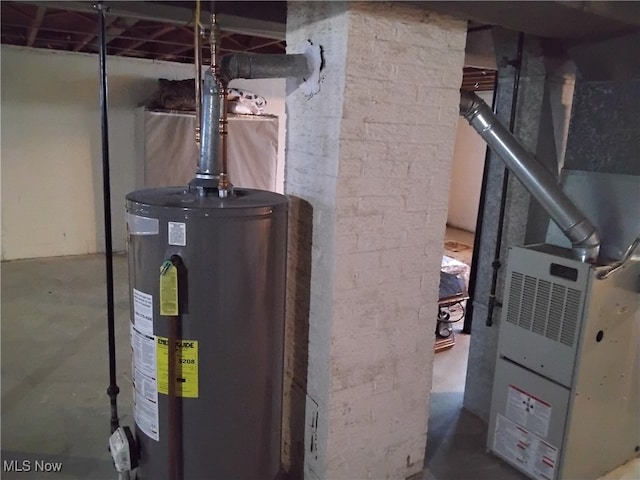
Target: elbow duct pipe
x=209, y=138
x=258, y=65
x=535, y=178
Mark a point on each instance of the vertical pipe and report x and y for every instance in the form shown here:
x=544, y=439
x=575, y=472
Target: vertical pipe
x=113, y=389
x=505, y=185
x=197, y=59
x=173, y=443
x=223, y=181
x=475, y=257
x=223, y=185
x=209, y=141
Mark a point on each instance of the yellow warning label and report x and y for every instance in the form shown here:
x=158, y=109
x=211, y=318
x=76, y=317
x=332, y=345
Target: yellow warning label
x=186, y=367
x=168, y=289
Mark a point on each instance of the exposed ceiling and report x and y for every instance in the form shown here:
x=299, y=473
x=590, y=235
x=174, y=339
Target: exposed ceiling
x=163, y=30
x=574, y=21
x=156, y=30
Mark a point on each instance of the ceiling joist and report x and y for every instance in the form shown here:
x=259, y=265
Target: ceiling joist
x=156, y=12
x=35, y=25
x=154, y=30
x=92, y=36
x=153, y=36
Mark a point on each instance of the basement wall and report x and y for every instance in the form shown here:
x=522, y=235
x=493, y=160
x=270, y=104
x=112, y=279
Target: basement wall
x=51, y=146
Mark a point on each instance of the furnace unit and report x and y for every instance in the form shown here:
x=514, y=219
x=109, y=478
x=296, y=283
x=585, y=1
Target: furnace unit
x=565, y=396
x=565, y=400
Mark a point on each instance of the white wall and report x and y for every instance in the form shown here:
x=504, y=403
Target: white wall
x=51, y=147
x=466, y=177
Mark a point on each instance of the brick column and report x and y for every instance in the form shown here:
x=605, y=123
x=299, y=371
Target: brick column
x=371, y=156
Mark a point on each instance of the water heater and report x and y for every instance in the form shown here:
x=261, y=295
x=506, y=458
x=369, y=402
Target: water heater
x=214, y=269
x=565, y=396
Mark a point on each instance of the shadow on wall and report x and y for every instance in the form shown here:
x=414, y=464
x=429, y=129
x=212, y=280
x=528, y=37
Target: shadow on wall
x=296, y=349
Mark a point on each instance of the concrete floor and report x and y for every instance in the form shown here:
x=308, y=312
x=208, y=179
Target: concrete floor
x=456, y=439
x=55, y=364
x=55, y=375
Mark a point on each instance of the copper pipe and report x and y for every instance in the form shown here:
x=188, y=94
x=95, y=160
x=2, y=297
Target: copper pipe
x=223, y=176
x=197, y=57
x=223, y=126
x=173, y=443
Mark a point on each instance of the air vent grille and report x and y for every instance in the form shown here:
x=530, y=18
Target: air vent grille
x=546, y=308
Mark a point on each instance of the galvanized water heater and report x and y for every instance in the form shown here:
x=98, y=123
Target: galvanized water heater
x=230, y=283
x=207, y=275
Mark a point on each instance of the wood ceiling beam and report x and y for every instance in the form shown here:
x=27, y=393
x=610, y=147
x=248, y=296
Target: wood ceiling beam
x=151, y=37
x=35, y=26
x=156, y=12
x=232, y=39
x=263, y=44
x=13, y=9
x=93, y=35
x=120, y=26
x=175, y=52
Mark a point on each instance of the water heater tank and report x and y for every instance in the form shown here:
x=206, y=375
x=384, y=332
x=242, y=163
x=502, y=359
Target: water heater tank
x=229, y=349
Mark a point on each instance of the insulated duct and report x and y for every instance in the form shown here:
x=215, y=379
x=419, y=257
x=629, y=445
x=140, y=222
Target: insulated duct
x=535, y=178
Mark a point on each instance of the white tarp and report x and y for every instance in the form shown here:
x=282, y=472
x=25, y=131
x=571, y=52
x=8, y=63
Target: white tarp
x=171, y=154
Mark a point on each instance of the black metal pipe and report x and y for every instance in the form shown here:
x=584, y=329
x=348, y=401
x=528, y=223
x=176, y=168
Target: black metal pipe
x=263, y=65
x=505, y=185
x=113, y=389
x=475, y=256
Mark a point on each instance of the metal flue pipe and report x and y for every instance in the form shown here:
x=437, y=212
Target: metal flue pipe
x=197, y=60
x=534, y=176
x=259, y=65
x=209, y=138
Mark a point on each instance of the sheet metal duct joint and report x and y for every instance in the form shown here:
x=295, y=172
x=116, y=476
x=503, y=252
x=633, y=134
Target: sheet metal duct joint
x=534, y=176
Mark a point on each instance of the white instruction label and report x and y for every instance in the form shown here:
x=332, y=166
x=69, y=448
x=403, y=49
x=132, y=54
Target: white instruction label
x=525, y=449
x=528, y=411
x=143, y=312
x=177, y=234
x=145, y=384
